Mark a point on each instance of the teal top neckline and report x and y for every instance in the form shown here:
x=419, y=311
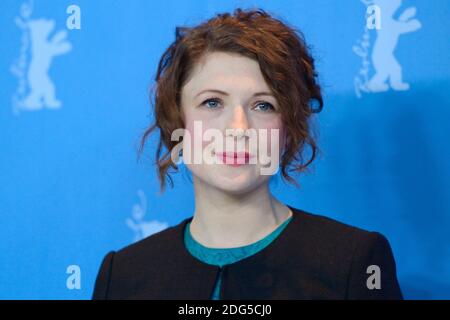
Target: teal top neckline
x=223, y=256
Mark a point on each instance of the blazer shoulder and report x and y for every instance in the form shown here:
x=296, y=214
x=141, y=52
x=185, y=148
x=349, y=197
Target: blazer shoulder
x=373, y=270
x=119, y=268
x=351, y=254
x=335, y=239
x=101, y=286
x=329, y=229
x=159, y=242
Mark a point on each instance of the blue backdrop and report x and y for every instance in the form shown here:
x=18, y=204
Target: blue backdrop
x=73, y=89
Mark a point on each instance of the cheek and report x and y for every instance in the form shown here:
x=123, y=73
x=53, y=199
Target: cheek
x=272, y=128
x=197, y=127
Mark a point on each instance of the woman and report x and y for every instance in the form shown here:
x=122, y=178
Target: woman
x=236, y=75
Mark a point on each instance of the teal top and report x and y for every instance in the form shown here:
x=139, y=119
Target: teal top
x=223, y=256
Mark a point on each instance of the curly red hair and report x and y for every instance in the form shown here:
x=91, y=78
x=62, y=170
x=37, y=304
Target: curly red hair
x=285, y=63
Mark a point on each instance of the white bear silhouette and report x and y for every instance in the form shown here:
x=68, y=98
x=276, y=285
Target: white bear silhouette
x=142, y=228
x=42, y=89
x=385, y=64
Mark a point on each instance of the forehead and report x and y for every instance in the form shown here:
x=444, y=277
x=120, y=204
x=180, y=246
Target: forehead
x=226, y=71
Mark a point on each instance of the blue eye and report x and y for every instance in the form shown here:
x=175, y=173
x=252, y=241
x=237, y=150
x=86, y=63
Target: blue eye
x=214, y=104
x=268, y=105
x=211, y=103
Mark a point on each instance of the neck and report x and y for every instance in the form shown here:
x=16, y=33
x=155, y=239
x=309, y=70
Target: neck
x=223, y=220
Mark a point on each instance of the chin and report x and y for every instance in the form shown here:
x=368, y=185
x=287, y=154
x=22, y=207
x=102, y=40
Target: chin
x=228, y=179
x=238, y=184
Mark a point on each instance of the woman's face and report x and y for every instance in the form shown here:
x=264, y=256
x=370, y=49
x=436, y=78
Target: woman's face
x=228, y=91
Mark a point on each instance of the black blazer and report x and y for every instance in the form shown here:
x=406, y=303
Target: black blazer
x=314, y=257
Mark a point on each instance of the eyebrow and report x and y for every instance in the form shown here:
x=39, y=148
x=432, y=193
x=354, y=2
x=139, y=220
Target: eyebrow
x=226, y=94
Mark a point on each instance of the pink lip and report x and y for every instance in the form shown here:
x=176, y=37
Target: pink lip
x=231, y=158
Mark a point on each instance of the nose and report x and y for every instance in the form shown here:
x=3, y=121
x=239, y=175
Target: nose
x=239, y=121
